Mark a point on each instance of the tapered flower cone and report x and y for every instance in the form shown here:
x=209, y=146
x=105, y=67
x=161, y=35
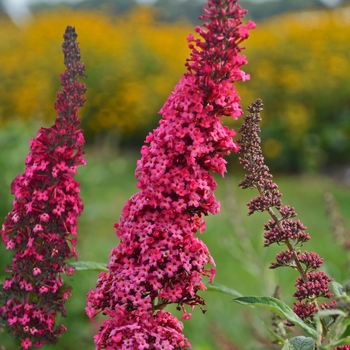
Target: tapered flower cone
x=160, y=260
x=42, y=225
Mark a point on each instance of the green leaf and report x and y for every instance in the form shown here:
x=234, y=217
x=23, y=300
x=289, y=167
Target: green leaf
x=280, y=308
x=335, y=312
x=216, y=287
x=302, y=343
x=337, y=289
x=288, y=346
x=339, y=342
x=336, y=330
x=88, y=266
x=277, y=337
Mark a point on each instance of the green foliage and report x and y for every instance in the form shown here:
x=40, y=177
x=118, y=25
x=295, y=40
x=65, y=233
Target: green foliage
x=279, y=307
x=88, y=266
x=216, y=287
x=300, y=343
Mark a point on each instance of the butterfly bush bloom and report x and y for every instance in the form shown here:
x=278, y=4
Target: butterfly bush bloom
x=282, y=228
x=42, y=226
x=160, y=260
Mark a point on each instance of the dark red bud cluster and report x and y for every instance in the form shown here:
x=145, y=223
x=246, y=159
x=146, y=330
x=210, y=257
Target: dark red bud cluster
x=281, y=229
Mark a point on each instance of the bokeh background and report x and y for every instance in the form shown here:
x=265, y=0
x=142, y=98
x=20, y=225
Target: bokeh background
x=299, y=62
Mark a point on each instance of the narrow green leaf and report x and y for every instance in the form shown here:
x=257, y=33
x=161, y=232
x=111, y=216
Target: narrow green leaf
x=335, y=312
x=343, y=341
x=337, y=329
x=216, y=287
x=88, y=266
x=277, y=337
x=280, y=308
x=319, y=330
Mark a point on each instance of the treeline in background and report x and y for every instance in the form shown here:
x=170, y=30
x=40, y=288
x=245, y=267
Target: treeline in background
x=299, y=64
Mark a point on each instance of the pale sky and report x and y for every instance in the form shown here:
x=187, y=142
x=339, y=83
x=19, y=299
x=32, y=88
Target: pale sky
x=19, y=10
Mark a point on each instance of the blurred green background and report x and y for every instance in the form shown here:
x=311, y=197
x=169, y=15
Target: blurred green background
x=134, y=55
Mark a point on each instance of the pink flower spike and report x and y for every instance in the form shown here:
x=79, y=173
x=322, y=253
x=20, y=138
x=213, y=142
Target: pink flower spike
x=159, y=259
x=36, y=228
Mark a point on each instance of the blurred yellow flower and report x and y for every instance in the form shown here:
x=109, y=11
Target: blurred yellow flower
x=132, y=63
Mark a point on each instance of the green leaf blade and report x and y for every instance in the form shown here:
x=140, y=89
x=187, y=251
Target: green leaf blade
x=216, y=287
x=279, y=307
x=343, y=341
x=337, y=288
x=88, y=266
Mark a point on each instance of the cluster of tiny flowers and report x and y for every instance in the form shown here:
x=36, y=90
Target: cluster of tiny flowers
x=42, y=225
x=281, y=229
x=126, y=330
x=160, y=260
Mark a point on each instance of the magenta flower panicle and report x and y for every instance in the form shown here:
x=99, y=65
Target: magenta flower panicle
x=41, y=228
x=126, y=330
x=160, y=260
